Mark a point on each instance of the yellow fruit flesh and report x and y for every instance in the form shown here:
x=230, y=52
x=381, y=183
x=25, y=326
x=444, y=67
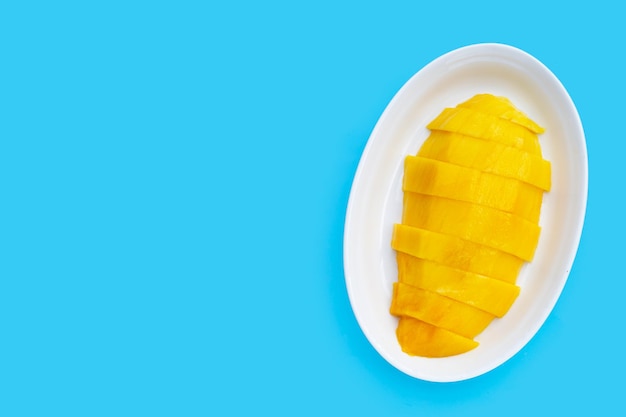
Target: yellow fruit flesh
x=480, y=224
x=418, y=338
x=472, y=201
x=441, y=179
x=488, y=294
x=455, y=252
x=438, y=310
x=503, y=108
x=486, y=126
x=487, y=156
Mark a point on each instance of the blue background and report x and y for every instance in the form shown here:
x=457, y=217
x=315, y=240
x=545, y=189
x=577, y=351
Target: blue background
x=173, y=185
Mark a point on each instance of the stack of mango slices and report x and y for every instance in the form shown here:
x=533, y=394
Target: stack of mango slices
x=472, y=200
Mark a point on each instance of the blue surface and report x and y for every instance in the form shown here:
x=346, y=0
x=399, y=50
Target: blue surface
x=173, y=185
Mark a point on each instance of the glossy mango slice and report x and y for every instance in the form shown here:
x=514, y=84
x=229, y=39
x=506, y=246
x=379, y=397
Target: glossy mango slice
x=456, y=252
x=442, y=179
x=418, y=338
x=488, y=294
x=488, y=156
x=503, y=108
x=472, y=201
x=486, y=126
x=440, y=311
x=481, y=224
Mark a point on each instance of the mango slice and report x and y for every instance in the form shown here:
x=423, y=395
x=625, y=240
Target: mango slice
x=488, y=294
x=503, y=108
x=488, y=156
x=418, y=338
x=456, y=252
x=486, y=126
x=481, y=224
x=440, y=311
x=441, y=179
x=470, y=220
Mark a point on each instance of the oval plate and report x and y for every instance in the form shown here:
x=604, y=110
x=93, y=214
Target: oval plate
x=375, y=202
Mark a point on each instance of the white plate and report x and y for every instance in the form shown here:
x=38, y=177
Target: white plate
x=375, y=202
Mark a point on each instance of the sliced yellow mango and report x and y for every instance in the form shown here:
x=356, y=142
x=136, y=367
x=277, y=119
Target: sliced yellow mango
x=481, y=224
x=503, y=108
x=487, y=156
x=486, y=126
x=456, y=252
x=488, y=294
x=438, y=310
x=470, y=220
x=418, y=338
x=432, y=177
